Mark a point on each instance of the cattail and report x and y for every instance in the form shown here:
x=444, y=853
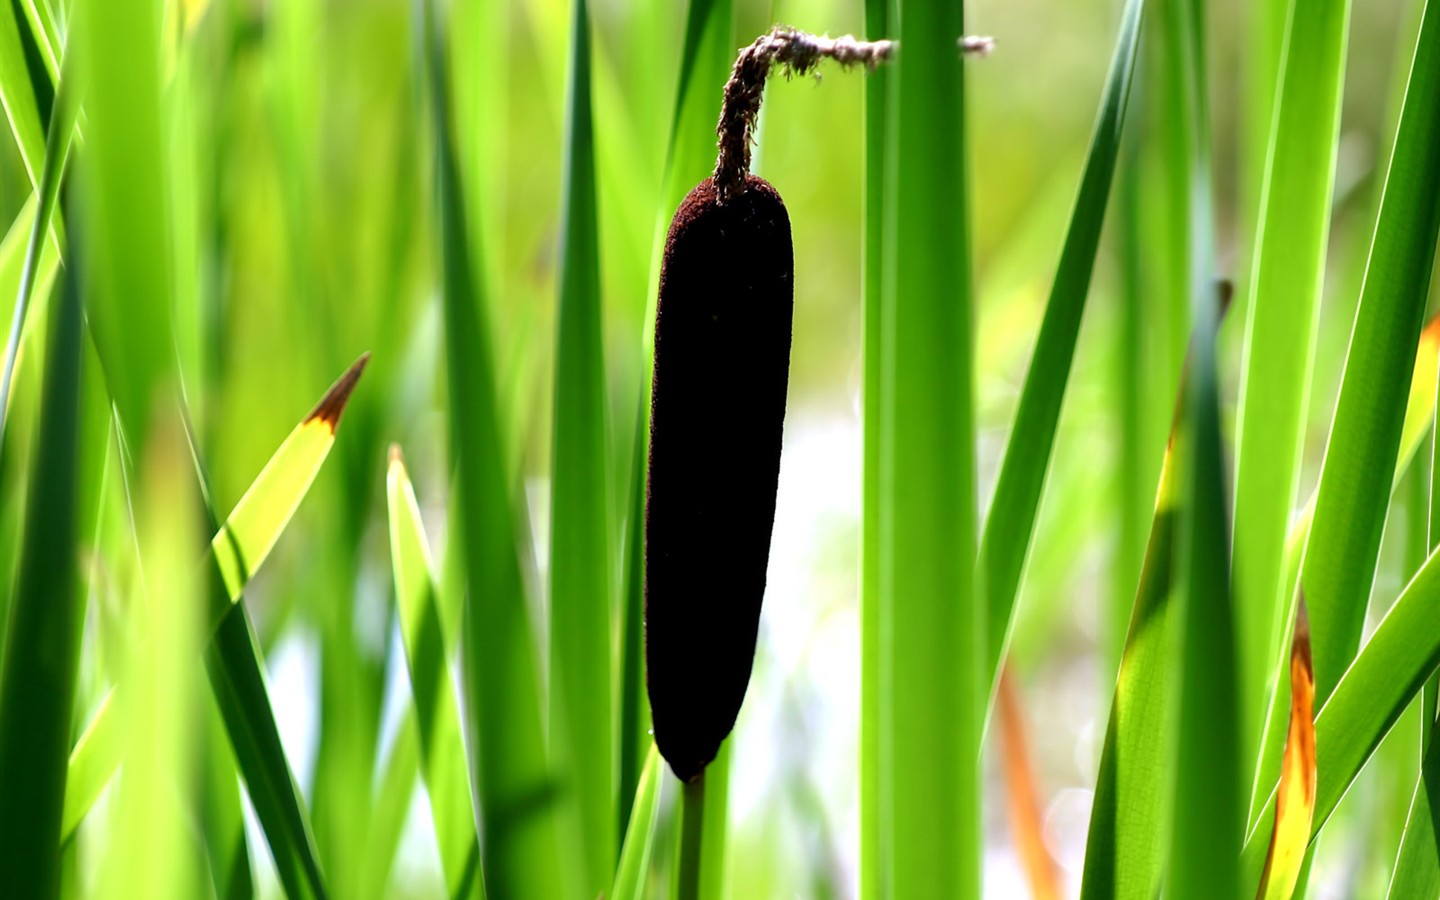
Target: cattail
x=722, y=358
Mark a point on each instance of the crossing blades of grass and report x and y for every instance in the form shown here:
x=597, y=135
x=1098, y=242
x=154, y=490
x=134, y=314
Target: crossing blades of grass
x=442, y=760
x=57, y=151
x=1281, y=321
x=1382, y=681
x=635, y=853
x=1385, y=357
x=581, y=656
x=1296, y=793
x=503, y=715
x=19, y=94
x=239, y=549
x=37, y=685
x=932, y=623
x=1011, y=522
x=1340, y=556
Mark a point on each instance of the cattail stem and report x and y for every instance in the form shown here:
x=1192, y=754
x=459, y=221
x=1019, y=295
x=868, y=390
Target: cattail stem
x=692, y=826
x=796, y=52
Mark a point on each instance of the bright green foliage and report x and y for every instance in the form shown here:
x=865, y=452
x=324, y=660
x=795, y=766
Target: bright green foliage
x=932, y=622
x=1282, y=310
x=37, y=682
x=437, y=720
x=581, y=581
x=1011, y=522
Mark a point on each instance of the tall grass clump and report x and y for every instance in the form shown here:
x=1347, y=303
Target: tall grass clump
x=426, y=432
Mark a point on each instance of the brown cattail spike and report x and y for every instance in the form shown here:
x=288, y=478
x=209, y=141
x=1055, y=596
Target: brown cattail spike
x=722, y=358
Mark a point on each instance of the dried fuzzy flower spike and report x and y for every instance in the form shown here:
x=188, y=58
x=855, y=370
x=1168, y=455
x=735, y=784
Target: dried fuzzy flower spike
x=722, y=357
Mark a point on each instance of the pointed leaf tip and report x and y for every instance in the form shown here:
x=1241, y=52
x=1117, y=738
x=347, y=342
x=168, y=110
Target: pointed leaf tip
x=397, y=458
x=331, y=405
x=1295, y=799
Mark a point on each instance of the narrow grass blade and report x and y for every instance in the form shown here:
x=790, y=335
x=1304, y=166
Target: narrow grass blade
x=239, y=548
x=1340, y=556
x=1209, y=816
x=634, y=724
x=262, y=513
x=503, y=714
x=427, y=649
x=635, y=853
x=1281, y=321
x=127, y=185
x=1296, y=793
x=148, y=854
x=877, y=16
x=236, y=669
x=221, y=814
x=932, y=621
x=581, y=655
x=37, y=683
x=1023, y=794
x=1125, y=853
x=392, y=803
x=1010, y=524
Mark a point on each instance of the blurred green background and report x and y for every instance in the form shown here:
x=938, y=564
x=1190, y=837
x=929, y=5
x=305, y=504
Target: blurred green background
x=310, y=158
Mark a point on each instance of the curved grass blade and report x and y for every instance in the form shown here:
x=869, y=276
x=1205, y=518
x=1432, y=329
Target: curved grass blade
x=1295, y=802
x=1281, y=323
x=580, y=578
x=37, y=687
x=1010, y=525
x=635, y=853
x=239, y=548
x=442, y=755
x=505, y=741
